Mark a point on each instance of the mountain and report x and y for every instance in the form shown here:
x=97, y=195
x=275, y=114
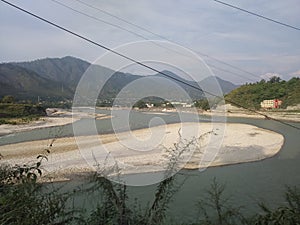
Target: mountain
x=225, y=86
x=67, y=70
x=192, y=92
x=208, y=84
x=57, y=78
x=26, y=84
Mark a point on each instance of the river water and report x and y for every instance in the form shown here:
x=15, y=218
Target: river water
x=246, y=183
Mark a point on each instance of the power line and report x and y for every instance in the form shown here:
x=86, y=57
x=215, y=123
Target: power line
x=258, y=15
x=230, y=65
x=96, y=18
x=117, y=26
x=141, y=64
x=143, y=37
x=227, y=71
x=164, y=38
x=120, y=18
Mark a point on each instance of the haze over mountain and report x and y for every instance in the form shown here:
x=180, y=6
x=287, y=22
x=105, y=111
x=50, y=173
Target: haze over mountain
x=57, y=78
x=225, y=86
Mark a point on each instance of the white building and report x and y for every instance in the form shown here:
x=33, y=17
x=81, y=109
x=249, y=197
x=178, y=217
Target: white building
x=271, y=104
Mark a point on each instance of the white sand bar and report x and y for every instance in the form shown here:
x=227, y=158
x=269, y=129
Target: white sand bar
x=58, y=119
x=144, y=150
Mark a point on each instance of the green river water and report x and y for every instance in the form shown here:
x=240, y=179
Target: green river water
x=246, y=183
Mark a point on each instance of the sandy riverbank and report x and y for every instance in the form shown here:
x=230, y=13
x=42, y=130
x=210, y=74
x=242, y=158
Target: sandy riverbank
x=238, y=143
x=58, y=117
x=62, y=117
x=228, y=111
x=291, y=116
x=284, y=115
x=43, y=122
x=281, y=114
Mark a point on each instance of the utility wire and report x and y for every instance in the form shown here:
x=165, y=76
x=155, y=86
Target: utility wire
x=164, y=38
x=141, y=64
x=230, y=65
x=117, y=26
x=145, y=38
x=121, y=19
x=258, y=15
x=96, y=18
x=227, y=71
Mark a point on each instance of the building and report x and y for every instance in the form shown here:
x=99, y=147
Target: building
x=149, y=105
x=182, y=104
x=271, y=104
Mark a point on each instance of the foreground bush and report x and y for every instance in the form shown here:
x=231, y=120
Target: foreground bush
x=24, y=201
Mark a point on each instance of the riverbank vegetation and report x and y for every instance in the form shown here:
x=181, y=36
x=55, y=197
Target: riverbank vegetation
x=18, y=113
x=251, y=94
x=23, y=200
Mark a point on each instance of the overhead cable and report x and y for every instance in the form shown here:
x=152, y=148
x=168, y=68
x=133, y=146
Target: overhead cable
x=142, y=64
x=258, y=15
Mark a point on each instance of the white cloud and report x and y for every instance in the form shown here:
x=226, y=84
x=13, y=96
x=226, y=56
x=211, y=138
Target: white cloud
x=267, y=76
x=295, y=74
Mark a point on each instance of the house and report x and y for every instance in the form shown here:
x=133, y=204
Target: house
x=271, y=104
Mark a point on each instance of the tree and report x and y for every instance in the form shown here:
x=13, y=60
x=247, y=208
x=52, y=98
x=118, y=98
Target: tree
x=216, y=208
x=250, y=96
x=287, y=215
x=8, y=99
x=24, y=201
x=203, y=104
x=262, y=81
x=140, y=104
x=274, y=79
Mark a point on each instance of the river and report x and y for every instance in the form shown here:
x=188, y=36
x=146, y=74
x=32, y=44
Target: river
x=246, y=183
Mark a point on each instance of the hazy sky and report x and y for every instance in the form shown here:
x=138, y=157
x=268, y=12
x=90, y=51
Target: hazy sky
x=258, y=46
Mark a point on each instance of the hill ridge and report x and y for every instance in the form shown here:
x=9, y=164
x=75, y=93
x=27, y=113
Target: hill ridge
x=64, y=74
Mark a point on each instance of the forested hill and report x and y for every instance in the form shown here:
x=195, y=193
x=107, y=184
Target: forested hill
x=250, y=95
x=56, y=79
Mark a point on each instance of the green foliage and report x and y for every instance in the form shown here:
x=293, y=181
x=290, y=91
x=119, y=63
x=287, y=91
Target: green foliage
x=140, y=104
x=250, y=95
x=27, y=204
x=274, y=79
x=202, y=104
x=215, y=208
x=20, y=113
x=23, y=201
x=26, y=84
x=8, y=99
x=288, y=214
x=56, y=104
x=114, y=207
x=20, y=110
x=19, y=201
